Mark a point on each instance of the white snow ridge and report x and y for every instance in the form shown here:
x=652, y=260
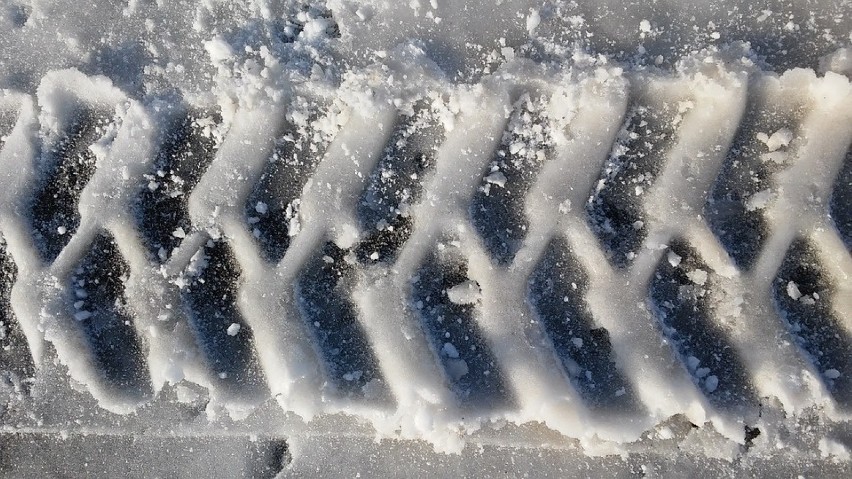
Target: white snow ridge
x=537, y=237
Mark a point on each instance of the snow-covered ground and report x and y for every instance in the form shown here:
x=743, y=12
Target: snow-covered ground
x=545, y=236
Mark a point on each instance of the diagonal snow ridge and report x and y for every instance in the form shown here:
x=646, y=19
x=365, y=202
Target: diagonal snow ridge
x=591, y=248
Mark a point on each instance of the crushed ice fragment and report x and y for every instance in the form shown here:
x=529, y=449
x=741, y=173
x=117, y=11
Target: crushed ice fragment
x=711, y=383
x=464, y=293
x=692, y=362
x=674, y=259
x=759, y=200
x=496, y=178
x=698, y=276
x=233, y=329
x=450, y=351
x=793, y=290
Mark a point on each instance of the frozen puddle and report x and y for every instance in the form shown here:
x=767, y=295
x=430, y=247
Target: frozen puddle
x=574, y=251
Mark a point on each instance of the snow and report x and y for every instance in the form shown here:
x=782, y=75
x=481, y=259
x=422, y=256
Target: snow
x=464, y=293
x=793, y=290
x=778, y=139
x=673, y=259
x=496, y=178
x=698, y=276
x=233, y=329
x=367, y=63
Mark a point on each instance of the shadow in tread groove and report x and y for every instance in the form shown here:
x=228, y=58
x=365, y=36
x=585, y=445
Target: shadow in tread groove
x=272, y=209
x=803, y=295
x=323, y=290
x=15, y=357
x=187, y=150
x=396, y=183
x=734, y=208
x=497, y=208
x=681, y=299
x=841, y=201
x=449, y=322
x=224, y=338
x=100, y=309
x=615, y=211
x=557, y=290
x=66, y=166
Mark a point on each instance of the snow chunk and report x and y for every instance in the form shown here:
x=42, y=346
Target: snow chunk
x=464, y=293
x=233, y=329
x=793, y=290
x=674, y=259
x=711, y=383
x=645, y=26
x=82, y=315
x=832, y=373
x=315, y=29
x=692, y=362
x=533, y=20
x=496, y=178
x=261, y=207
x=698, y=276
x=780, y=138
x=759, y=200
x=450, y=351
x=218, y=49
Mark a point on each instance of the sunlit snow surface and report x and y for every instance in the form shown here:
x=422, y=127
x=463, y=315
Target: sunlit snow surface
x=556, y=238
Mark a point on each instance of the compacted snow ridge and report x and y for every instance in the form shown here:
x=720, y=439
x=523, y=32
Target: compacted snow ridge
x=509, y=224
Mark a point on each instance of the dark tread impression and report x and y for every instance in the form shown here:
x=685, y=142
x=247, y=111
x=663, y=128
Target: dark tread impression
x=396, y=183
x=65, y=167
x=222, y=334
x=803, y=294
x=731, y=210
x=497, y=208
x=454, y=333
x=557, y=294
x=615, y=209
x=272, y=209
x=324, y=294
x=15, y=357
x=99, y=307
x=188, y=147
x=841, y=201
x=680, y=294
